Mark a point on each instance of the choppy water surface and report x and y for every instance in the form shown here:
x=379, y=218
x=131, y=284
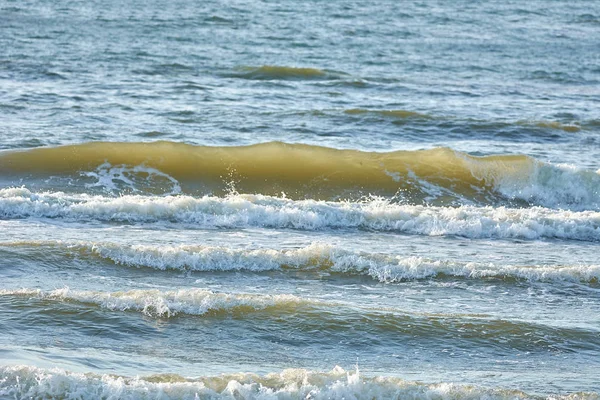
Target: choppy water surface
x=255, y=199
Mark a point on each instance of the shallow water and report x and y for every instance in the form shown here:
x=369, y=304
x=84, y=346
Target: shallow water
x=299, y=200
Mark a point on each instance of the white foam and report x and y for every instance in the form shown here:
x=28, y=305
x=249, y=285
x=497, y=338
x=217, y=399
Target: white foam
x=200, y=258
x=32, y=382
x=239, y=211
x=167, y=304
x=559, y=186
x=431, y=191
x=122, y=177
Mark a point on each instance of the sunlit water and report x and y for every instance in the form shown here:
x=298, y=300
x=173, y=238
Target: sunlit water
x=338, y=199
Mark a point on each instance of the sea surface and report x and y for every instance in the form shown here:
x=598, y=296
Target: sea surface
x=299, y=199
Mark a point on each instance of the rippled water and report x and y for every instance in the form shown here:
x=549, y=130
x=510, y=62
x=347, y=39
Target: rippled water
x=255, y=199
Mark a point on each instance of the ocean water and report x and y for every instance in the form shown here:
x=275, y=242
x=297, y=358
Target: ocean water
x=299, y=199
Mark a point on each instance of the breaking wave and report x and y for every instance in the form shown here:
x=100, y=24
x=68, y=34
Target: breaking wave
x=239, y=211
x=316, y=257
x=30, y=382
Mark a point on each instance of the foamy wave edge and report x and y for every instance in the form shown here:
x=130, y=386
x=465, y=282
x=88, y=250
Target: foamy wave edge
x=157, y=303
x=32, y=382
x=239, y=211
x=318, y=257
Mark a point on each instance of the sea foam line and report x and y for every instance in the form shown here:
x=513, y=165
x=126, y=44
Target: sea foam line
x=382, y=267
x=31, y=382
x=240, y=211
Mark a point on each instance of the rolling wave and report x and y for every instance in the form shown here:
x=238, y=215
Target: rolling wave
x=315, y=257
x=167, y=304
x=30, y=382
x=240, y=211
x=309, y=315
x=438, y=176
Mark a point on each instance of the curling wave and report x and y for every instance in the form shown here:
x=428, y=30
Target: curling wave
x=438, y=176
x=239, y=211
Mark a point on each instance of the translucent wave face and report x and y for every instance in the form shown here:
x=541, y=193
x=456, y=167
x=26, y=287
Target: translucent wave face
x=431, y=177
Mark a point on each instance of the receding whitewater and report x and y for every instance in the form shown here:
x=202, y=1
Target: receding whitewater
x=299, y=200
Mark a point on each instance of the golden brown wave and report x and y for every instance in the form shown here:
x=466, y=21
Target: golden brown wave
x=271, y=168
x=571, y=128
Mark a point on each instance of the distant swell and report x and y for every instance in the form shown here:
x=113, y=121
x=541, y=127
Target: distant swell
x=274, y=72
x=498, y=127
x=432, y=177
x=32, y=382
x=316, y=257
x=239, y=211
x=401, y=114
